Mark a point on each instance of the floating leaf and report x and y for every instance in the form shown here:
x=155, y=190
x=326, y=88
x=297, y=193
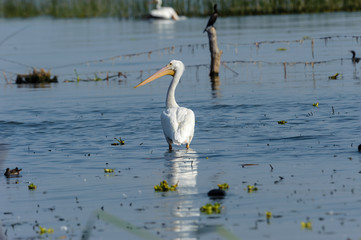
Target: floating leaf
x=281, y=49
x=108, y=170
x=282, y=122
x=315, y=104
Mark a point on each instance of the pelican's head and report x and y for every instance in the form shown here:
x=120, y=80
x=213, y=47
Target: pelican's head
x=170, y=69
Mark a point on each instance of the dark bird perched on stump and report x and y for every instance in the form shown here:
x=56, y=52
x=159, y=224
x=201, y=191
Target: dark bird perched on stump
x=212, y=18
x=354, y=58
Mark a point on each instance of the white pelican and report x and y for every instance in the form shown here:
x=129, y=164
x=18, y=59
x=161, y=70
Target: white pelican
x=177, y=122
x=163, y=12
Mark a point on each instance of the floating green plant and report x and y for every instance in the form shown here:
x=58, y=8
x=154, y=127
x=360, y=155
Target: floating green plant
x=281, y=49
x=96, y=78
x=251, y=188
x=120, y=142
x=211, y=208
x=164, y=187
x=77, y=76
x=315, y=104
x=108, y=170
x=43, y=230
x=32, y=186
x=306, y=225
x=282, y=122
x=334, y=77
x=223, y=186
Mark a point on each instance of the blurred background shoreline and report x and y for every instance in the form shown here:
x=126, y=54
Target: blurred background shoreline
x=130, y=9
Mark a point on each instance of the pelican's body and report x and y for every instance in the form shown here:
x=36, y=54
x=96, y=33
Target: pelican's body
x=177, y=122
x=163, y=12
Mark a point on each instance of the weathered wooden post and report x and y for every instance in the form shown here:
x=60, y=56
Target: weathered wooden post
x=215, y=52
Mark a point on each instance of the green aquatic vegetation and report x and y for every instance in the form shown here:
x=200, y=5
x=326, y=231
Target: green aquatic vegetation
x=77, y=76
x=164, y=187
x=282, y=122
x=281, y=49
x=334, y=77
x=306, y=225
x=211, y=208
x=96, y=78
x=251, y=188
x=43, y=230
x=32, y=186
x=223, y=186
x=120, y=142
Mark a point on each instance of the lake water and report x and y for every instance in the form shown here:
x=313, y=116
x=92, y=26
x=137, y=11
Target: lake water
x=61, y=134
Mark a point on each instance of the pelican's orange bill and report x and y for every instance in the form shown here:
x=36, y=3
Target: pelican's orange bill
x=164, y=71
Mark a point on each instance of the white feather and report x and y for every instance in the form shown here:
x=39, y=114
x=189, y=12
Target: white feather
x=178, y=125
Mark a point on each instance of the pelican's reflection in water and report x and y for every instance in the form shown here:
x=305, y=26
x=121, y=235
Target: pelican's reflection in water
x=165, y=29
x=182, y=165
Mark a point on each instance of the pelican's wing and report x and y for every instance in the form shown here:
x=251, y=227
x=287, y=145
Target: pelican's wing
x=178, y=125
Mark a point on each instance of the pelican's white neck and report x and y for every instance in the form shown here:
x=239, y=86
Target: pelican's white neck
x=171, y=102
x=159, y=3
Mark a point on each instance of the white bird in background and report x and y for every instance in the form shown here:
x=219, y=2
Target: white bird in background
x=163, y=12
x=177, y=122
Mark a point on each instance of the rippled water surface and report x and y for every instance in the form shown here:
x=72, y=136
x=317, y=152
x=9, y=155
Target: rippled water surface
x=306, y=170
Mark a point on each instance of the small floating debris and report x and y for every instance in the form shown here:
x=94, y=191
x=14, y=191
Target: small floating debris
x=223, y=186
x=108, y=170
x=12, y=173
x=36, y=76
x=306, y=225
x=216, y=193
x=249, y=164
x=282, y=122
x=32, y=186
x=334, y=77
x=164, y=187
x=120, y=142
x=211, y=208
x=251, y=188
x=359, y=148
x=281, y=49
x=315, y=104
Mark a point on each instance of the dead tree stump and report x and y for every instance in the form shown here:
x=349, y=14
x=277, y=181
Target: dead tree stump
x=215, y=52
